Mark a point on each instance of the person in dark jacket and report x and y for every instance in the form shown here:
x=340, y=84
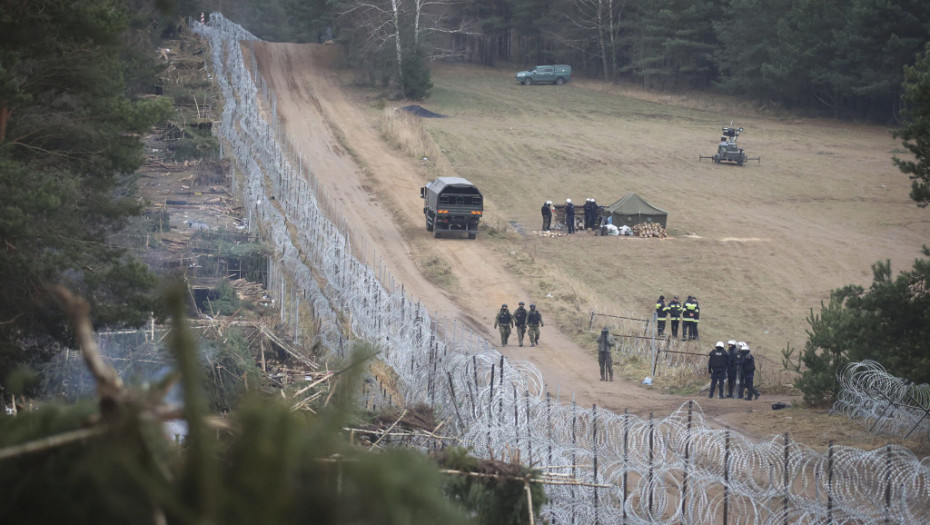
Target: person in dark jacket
x=605, y=360
x=661, y=313
x=534, y=321
x=504, y=321
x=569, y=216
x=674, y=315
x=547, y=215
x=717, y=368
x=696, y=319
x=732, y=354
x=747, y=374
x=519, y=322
x=595, y=211
x=589, y=213
x=687, y=319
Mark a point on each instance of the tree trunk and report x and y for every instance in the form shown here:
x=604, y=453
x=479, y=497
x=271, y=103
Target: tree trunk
x=600, y=36
x=395, y=8
x=5, y=113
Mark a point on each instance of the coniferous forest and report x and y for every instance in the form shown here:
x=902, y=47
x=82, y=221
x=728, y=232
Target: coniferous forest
x=838, y=59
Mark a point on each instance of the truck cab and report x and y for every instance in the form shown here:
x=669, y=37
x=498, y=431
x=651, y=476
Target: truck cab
x=452, y=204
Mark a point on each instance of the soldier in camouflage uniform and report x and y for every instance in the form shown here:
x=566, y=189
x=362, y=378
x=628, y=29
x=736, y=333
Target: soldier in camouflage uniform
x=504, y=321
x=519, y=321
x=534, y=321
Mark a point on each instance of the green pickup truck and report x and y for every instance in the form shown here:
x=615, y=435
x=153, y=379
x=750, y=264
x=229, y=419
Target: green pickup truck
x=557, y=74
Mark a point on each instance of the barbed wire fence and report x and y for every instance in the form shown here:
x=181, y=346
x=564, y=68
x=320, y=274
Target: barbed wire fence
x=618, y=468
x=883, y=402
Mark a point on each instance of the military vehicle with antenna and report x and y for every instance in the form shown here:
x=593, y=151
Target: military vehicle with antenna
x=729, y=150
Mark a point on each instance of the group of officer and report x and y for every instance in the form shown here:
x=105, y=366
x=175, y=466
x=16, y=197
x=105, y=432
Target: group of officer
x=689, y=313
x=736, y=367
x=525, y=321
x=591, y=211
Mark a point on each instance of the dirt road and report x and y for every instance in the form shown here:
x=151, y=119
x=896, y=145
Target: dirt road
x=371, y=183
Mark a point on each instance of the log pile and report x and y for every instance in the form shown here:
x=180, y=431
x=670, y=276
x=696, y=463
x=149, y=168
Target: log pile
x=649, y=229
x=251, y=291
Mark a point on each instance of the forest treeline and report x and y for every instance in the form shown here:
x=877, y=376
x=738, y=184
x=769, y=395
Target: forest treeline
x=841, y=59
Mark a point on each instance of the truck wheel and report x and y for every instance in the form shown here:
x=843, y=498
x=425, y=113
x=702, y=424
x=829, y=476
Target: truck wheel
x=527, y=81
x=472, y=235
x=429, y=225
x=559, y=81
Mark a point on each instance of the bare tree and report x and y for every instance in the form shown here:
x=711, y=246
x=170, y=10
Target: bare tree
x=598, y=21
x=405, y=22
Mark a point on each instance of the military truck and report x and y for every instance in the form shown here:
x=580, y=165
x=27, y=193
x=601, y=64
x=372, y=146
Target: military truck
x=452, y=204
x=557, y=74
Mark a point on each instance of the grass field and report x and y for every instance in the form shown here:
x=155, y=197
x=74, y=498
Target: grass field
x=759, y=245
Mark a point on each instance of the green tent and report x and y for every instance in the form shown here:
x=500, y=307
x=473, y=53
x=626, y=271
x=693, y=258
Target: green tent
x=632, y=210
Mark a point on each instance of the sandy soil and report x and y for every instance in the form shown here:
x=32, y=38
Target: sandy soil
x=371, y=181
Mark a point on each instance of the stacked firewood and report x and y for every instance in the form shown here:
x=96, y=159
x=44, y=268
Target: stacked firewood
x=250, y=291
x=649, y=229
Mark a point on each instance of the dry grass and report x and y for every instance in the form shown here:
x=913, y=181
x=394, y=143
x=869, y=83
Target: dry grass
x=816, y=428
x=405, y=132
x=759, y=245
x=438, y=271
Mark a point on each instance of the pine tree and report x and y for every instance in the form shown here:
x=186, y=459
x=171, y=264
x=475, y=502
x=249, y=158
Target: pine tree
x=916, y=130
x=70, y=137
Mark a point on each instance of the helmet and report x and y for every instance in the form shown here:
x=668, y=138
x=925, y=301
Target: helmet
x=521, y=303
x=503, y=306
x=532, y=306
x=548, y=202
x=719, y=344
x=731, y=342
x=568, y=200
x=661, y=297
x=605, y=330
x=675, y=297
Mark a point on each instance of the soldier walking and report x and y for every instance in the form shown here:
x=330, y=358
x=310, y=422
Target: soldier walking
x=605, y=342
x=717, y=368
x=569, y=216
x=504, y=321
x=534, y=321
x=674, y=314
x=661, y=313
x=519, y=321
x=747, y=374
x=547, y=215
